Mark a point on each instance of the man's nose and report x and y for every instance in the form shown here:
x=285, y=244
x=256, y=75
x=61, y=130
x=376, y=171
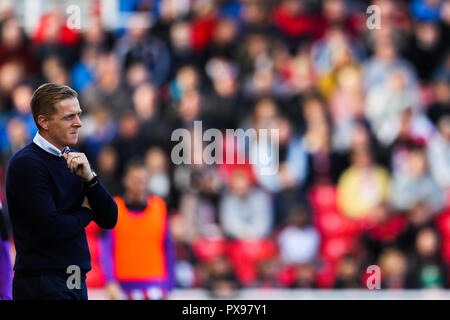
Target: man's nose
x=77, y=122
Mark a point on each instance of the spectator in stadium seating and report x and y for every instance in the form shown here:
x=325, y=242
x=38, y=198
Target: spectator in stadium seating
x=418, y=217
x=317, y=141
x=128, y=142
x=264, y=81
x=221, y=280
x=267, y=274
x=21, y=97
x=425, y=10
x=443, y=70
x=414, y=184
x=394, y=269
x=108, y=89
x=139, y=254
x=299, y=229
x=337, y=12
x=224, y=105
x=15, y=45
x=265, y=111
x=97, y=37
x=254, y=16
x=426, y=49
x=154, y=127
x=159, y=179
x=386, y=58
x=300, y=75
x=348, y=273
x=346, y=105
x=11, y=74
x=334, y=50
x=136, y=74
x=199, y=188
x=53, y=70
x=441, y=105
x=304, y=276
x=384, y=230
x=186, y=79
x=386, y=105
x=224, y=39
x=83, y=72
x=202, y=24
x=187, y=109
x=255, y=48
x=245, y=211
x=181, y=53
x=295, y=23
x=17, y=137
x=286, y=183
x=136, y=45
x=21, y=112
x=438, y=152
x=99, y=130
x=106, y=168
x=53, y=37
x=445, y=21
x=363, y=186
x=427, y=268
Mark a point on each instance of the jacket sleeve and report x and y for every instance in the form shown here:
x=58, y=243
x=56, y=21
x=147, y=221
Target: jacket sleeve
x=30, y=181
x=104, y=208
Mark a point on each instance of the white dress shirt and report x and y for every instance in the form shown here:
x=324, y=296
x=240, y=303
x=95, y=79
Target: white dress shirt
x=47, y=146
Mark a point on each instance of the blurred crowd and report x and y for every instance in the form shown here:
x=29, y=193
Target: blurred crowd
x=364, y=120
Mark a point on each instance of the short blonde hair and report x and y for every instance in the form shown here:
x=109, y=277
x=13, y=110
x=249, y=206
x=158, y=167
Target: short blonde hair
x=45, y=98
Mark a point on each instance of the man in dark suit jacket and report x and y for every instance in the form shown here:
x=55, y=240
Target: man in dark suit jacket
x=52, y=195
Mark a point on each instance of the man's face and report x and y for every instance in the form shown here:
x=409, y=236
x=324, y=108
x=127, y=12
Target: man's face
x=64, y=124
x=136, y=183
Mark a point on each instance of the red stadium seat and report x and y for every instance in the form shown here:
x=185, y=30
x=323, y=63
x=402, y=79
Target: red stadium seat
x=326, y=276
x=207, y=249
x=332, y=223
x=246, y=254
x=443, y=223
x=332, y=249
x=286, y=276
x=323, y=198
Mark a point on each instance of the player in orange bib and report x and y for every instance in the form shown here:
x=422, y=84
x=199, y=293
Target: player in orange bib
x=138, y=254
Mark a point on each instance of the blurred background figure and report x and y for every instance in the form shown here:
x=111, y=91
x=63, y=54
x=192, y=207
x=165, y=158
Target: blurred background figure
x=394, y=266
x=222, y=281
x=138, y=253
x=299, y=229
x=363, y=186
x=415, y=185
x=245, y=212
x=348, y=274
x=427, y=267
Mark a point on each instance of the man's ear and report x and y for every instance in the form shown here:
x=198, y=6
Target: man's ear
x=43, y=121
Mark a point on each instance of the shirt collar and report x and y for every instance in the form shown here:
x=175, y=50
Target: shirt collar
x=47, y=146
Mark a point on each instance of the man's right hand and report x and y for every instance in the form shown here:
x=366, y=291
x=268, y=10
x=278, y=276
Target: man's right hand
x=86, y=203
